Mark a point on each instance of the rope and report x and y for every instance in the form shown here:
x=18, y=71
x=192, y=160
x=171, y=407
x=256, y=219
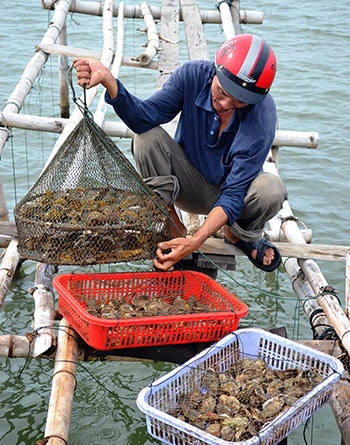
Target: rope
x=81, y=104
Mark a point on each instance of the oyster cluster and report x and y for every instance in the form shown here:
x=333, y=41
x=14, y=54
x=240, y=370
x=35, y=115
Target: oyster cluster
x=144, y=306
x=89, y=226
x=235, y=405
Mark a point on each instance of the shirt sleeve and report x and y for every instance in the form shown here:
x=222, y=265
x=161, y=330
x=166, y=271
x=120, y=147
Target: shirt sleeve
x=142, y=115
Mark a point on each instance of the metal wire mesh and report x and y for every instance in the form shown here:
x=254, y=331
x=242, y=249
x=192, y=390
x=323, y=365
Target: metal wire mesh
x=90, y=206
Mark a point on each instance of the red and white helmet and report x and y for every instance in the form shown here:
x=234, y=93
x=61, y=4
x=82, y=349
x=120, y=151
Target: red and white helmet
x=246, y=67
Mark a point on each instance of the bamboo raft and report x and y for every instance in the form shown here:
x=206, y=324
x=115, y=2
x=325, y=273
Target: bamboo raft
x=294, y=243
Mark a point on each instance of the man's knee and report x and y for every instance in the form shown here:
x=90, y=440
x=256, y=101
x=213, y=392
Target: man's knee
x=270, y=188
x=145, y=143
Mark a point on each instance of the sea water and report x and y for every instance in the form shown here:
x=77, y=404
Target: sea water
x=312, y=43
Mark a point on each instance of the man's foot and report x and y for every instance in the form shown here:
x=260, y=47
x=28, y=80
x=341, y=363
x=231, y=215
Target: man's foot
x=177, y=228
x=262, y=253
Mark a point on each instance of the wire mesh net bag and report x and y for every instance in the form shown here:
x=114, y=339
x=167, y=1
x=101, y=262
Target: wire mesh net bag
x=90, y=206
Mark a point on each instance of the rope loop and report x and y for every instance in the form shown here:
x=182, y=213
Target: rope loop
x=81, y=104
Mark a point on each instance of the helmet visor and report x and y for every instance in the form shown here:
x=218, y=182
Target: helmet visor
x=237, y=88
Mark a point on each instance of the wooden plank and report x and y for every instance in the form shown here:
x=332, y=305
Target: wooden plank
x=307, y=251
x=196, y=43
x=169, y=38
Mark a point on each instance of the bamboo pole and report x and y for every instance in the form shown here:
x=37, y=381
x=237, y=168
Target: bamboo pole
x=77, y=115
x=327, y=300
x=287, y=138
x=319, y=322
x=15, y=346
x=33, y=68
x=71, y=51
x=134, y=12
x=235, y=13
x=152, y=36
x=8, y=267
x=107, y=55
x=226, y=19
x=326, y=304
x=20, y=346
x=280, y=236
x=63, y=69
x=44, y=312
x=4, y=213
x=63, y=386
x=347, y=285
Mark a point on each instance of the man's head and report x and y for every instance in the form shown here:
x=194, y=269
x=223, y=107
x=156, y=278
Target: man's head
x=246, y=67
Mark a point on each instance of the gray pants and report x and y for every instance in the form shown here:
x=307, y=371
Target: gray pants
x=163, y=165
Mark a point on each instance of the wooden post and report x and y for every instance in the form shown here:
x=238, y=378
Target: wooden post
x=63, y=386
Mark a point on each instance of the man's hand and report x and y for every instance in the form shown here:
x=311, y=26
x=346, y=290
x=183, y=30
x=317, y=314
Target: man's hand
x=91, y=72
x=171, y=252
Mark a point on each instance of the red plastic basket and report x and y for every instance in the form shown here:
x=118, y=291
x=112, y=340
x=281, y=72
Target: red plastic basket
x=76, y=290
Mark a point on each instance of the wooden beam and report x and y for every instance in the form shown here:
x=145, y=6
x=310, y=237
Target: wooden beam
x=307, y=251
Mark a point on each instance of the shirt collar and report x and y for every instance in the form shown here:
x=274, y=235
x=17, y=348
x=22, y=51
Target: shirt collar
x=204, y=98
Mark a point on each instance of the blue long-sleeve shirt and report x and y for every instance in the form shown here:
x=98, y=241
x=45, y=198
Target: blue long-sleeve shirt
x=230, y=161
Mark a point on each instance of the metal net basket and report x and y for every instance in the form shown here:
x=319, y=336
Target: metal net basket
x=90, y=206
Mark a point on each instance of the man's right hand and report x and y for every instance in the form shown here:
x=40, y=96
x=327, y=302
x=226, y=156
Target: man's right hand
x=91, y=72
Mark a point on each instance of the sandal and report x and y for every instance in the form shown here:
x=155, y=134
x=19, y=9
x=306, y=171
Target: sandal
x=260, y=246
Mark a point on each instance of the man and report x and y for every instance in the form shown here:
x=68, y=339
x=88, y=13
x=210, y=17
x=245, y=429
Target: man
x=213, y=166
